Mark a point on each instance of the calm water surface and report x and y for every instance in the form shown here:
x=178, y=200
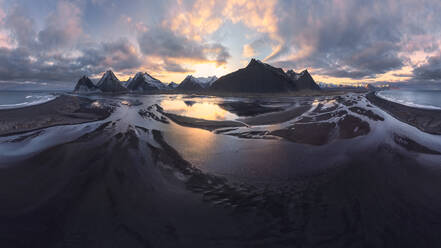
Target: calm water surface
x=415, y=98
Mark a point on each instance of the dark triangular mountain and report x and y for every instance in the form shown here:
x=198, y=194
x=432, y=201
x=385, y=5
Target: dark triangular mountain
x=110, y=83
x=145, y=82
x=191, y=83
x=188, y=84
x=303, y=80
x=257, y=77
x=85, y=85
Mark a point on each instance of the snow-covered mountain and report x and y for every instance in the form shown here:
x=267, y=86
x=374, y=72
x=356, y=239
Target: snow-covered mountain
x=196, y=83
x=85, y=85
x=110, y=83
x=144, y=82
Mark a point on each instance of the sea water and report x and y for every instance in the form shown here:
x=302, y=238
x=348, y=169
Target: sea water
x=18, y=99
x=427, y=99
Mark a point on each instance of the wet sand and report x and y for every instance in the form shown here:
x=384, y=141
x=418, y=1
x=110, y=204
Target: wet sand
x=201, y=123
x=426, y=120
x=64, y=110
x=276, y=117
x=248, y=108
x=263, y=119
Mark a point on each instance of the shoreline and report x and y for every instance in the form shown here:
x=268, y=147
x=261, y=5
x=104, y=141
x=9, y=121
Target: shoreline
x=26, y=104
x=63, y=110
x=408, y=104
x=426, y=120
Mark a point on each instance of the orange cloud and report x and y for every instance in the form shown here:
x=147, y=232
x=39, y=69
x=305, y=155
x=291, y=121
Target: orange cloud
x=201, y=20
x=254, y=14
x=206, y=16
x=248, y=51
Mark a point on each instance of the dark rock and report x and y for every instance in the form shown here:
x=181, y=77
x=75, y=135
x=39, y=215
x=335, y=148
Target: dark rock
x=303, y=80
x=257, y=77
x=143, y=82
x=110, y=83
x=191, y=83
x=85, y=85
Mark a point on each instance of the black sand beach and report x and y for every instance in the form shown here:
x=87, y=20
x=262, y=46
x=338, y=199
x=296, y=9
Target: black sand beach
x=426, y=120
x=63, y=110
x=348, y=176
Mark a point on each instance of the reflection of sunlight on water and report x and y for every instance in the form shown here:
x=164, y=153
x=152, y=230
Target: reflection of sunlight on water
x=327, y=103
x=196, y=144
x=202, y=110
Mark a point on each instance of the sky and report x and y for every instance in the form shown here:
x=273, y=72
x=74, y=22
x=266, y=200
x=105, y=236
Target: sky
x=338, y=41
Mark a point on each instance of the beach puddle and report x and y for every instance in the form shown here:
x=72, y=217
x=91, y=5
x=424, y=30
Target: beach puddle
x=195, y=109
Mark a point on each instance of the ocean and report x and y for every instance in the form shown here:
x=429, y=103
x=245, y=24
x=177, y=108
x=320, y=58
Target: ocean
x=18, y=99
x=427, y=99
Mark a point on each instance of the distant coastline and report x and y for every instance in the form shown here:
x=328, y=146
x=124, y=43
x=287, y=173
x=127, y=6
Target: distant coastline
x=427, y=120
x=22, y=99
x=382, y=94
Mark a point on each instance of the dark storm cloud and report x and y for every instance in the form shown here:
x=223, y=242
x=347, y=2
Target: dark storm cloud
x=174, y=67
x=164, y=43
x=351, y=39
x=376, y=59
x=21, y=64
x=120, y=54
x=22, y=28
x=218, y=52
x=57, y=52
x=62, y=28
x=429, y=71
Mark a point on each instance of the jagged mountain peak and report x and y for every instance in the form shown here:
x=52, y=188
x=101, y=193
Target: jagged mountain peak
x=110, y=83
x=85, y=85
x=145, y=82
x=196, y=83
x=255, y=62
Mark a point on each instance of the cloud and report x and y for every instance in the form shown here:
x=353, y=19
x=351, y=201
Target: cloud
x=21, y=27
x=60, y=51
x=171, y=66
x=431, y=70
x=164, y=43
x=259, y=14
x=63, y=27
x=248, y=51
x=21, y=64
x=196, y=19
x=356, y=39
x=200, y=18
x=216, y=52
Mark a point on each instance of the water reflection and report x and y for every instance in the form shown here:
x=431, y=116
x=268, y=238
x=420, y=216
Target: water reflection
x=193, y=108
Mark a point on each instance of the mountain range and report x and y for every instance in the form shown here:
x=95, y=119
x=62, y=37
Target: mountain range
x=256, y=77
x=191, y=83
